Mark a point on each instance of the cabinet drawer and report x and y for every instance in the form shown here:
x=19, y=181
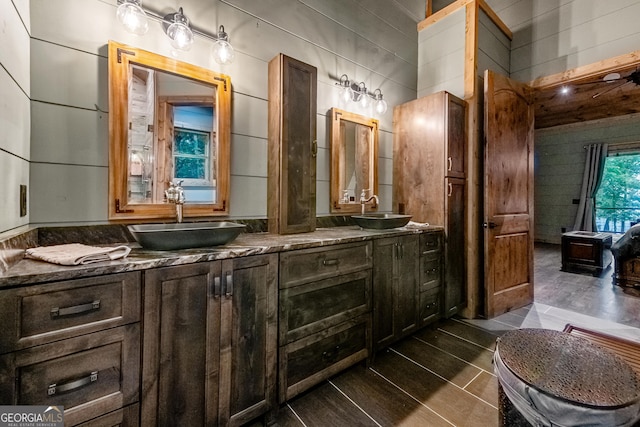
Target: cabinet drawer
x=430, y=272
x=313, y=359
x=41, y=314
x=430, y=242
x=306, y=265
x=310, y=308
x=429, y=306
x=88, y=375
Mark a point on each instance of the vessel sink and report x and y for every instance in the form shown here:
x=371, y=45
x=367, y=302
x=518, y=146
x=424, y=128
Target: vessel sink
x=381, y=221
x=185, y=235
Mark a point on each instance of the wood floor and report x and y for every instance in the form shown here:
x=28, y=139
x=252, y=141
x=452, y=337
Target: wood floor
x=443, y=376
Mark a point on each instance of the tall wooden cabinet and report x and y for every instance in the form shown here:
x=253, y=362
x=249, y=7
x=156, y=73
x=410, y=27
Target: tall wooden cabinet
x=210, y=342
x=429, y=146
x=293, y=147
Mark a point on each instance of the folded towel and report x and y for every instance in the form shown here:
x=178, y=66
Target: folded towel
x=413, y=224
x=76, y=254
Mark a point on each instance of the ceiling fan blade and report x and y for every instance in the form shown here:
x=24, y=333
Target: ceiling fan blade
x=609, y=90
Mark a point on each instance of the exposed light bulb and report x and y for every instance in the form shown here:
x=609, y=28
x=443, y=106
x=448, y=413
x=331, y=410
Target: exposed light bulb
x=364, y=96
x=380, y=104
x=223, y=52
x=132, y=17
x=179, y=32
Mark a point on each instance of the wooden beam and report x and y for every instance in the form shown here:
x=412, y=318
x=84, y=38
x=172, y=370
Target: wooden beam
x=470, y=49
x=587, y=71
x=443, y=13
x=429, y=9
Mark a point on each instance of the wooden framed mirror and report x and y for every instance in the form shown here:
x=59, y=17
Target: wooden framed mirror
x=169, y=121
x=354, y=160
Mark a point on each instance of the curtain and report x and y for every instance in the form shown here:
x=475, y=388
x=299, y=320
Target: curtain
x=593, y=167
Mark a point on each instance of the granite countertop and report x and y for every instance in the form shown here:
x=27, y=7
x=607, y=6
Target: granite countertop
x=28, y=271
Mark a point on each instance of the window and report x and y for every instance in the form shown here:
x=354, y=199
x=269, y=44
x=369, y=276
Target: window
x=191, y=156
x=618, y=198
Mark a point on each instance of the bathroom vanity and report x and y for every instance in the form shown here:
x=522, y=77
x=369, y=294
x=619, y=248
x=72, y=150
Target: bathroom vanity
x=217, y=335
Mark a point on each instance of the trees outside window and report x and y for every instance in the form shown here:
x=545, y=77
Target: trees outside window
x=618, y=198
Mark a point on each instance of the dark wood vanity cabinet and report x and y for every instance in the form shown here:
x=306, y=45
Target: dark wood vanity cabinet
x=429, y=165
x=76, y=344
x=395, y=289
x=292, y=146
x=210, y=342
x=325, y=313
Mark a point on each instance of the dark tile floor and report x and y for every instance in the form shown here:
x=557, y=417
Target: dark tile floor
x=443, y=376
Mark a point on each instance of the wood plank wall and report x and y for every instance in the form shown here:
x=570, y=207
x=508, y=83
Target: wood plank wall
x=560, y=157
x=15, y=87
x=374, y=42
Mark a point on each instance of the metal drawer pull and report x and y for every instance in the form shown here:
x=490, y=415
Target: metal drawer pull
x=331, y=262
x=229, y=289
x=449, y=163
x=216, y=286
x=76, y=309
x=73, y=385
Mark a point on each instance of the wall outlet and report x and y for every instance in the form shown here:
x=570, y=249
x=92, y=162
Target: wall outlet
x=23, y=200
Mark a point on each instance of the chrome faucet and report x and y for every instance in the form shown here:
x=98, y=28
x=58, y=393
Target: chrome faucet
x=364, y=200
x=175, y=194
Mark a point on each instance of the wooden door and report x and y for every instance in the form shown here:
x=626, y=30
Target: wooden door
x=180, y=367
x=508, y=194
x=248, y=338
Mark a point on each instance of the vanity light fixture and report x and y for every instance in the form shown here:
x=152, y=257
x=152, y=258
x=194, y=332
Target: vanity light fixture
x=132, y=16
x=179, y=31
x=177, y=27
x=358, y=93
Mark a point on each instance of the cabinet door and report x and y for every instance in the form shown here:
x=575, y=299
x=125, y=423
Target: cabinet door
x=395, y=289
x=407, y=285
x=291, y=206
x=181, y=345
x=455, y=136
x=455, y=271
x=248, y=338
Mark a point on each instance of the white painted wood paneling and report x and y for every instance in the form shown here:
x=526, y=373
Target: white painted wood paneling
x=441, y=56
x=14, y=39
x=68, y=194
x=249, y=116
x=69, y=135
x=14, y=117
x=17, y=173
x=249, y=156
x=322, y=197
x=494, y=47
x=68, y=76
x=550, y=37
x=248, y=197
